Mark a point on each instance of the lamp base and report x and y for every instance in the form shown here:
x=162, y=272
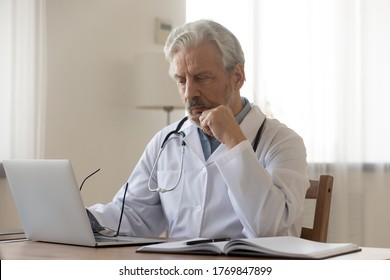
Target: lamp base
x=168, y=109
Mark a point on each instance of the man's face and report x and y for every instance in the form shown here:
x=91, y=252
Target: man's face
x=202, y=82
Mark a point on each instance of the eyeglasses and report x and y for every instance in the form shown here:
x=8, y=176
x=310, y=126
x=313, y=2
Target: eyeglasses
x=105, y=231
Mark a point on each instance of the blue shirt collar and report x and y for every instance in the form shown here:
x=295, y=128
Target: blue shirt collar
x=209, y=143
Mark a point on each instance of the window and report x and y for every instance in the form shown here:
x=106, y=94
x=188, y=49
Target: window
x=5, y=78
x=321, y=67
x=22, y=78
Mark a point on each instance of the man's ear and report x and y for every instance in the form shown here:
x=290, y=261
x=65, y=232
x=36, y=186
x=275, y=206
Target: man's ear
x=238, y=76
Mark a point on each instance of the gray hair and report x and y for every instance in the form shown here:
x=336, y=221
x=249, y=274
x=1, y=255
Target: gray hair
x=197, y=32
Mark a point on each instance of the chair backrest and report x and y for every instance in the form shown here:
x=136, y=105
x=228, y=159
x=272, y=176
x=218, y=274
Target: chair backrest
x=320, y=190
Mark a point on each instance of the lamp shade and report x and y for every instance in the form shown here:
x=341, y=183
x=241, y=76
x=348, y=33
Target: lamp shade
x=154, y=88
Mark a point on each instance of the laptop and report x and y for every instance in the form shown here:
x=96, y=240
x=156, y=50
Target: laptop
x=50, y=207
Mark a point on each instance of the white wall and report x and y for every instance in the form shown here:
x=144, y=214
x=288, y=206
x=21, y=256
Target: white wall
x=90, y=116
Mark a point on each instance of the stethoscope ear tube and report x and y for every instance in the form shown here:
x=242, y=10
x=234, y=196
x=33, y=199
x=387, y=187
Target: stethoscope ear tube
x=177, y=134
x=160, y=189
x=176, y=131
x=258, y=136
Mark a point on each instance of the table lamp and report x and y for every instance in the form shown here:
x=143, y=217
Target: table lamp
x=154, y=88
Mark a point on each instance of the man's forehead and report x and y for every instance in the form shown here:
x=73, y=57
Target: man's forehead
x=199, y=58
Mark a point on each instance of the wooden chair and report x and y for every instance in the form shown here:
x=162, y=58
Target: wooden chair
x=320, y=190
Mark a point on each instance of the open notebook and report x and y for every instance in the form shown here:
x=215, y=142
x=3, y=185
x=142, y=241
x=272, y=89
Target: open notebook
x=50, y=206
x=275, y=247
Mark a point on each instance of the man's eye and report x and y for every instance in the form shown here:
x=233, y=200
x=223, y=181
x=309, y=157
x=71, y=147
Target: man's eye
x=181, y=81
x=202, y=78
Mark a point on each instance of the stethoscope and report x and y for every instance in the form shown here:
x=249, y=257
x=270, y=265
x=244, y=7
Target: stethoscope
x=176, y=133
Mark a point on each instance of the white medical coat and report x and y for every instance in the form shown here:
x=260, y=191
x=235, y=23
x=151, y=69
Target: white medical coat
x=235, y=193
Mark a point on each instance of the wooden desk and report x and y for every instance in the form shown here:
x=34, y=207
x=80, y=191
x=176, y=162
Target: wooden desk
x=27, y=250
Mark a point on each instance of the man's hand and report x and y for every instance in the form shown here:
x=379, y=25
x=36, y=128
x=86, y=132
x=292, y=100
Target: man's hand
x=220, y=123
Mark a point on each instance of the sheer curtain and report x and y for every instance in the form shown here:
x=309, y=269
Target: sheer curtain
x=323, y=67
x=22, y=74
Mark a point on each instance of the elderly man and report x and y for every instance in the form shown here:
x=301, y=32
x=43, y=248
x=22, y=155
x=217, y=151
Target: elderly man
x=227, y=171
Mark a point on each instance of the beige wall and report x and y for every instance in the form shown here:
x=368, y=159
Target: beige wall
x=91, y=119
x=90, y=116
x=8, y=215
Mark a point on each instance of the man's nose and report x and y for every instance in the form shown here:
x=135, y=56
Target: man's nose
x=190, y=90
